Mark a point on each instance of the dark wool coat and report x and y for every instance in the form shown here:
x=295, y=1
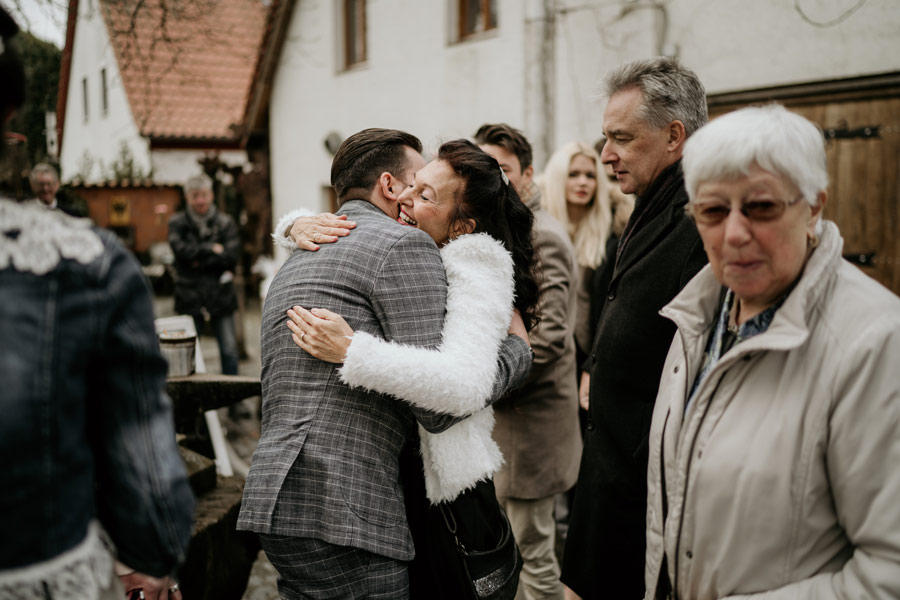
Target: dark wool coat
x=199, y=269
x=659, y=253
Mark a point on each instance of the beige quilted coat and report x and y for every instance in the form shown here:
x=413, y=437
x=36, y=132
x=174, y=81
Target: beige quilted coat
x=782, y=480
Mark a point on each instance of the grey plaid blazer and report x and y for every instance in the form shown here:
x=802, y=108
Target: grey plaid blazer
x=327, y=462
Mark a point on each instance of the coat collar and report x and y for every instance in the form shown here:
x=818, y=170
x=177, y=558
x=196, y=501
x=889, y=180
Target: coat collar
x=655, y=213
x=355, y=206
x=694, y=309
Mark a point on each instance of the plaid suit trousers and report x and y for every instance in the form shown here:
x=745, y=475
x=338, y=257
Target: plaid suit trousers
x=309, y=569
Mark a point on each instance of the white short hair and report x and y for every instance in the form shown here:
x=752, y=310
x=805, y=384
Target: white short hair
x=40, y=168
x=198, y=182
x=775, y=139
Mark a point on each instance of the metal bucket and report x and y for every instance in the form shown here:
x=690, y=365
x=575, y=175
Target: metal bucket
x=179, y=350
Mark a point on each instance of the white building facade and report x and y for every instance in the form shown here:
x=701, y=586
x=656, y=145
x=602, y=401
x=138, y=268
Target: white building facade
x=164, y=99
x=98, y=117
x=536, y=64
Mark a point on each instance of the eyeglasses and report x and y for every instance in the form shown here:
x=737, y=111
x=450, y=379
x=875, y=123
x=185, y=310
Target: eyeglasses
x=757, y=211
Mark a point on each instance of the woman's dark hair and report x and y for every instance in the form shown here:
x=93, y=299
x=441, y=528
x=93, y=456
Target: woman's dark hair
x=12, y=73
x=497, y=210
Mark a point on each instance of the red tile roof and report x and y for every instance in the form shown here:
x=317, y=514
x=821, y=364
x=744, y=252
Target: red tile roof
x=187, y=66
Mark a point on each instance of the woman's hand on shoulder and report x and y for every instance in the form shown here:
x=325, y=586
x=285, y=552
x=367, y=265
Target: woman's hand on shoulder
x=517, y=327
x=325, y=228
x=322, y=333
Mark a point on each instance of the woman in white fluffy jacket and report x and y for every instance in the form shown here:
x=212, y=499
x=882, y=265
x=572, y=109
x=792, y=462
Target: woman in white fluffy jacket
x=464, y=202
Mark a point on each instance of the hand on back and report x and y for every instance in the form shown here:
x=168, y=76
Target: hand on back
x=308, y=232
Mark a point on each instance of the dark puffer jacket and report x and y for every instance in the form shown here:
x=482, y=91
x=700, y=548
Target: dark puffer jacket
x=199, y=269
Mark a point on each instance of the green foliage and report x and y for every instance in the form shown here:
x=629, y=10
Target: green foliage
x=124, y=166
x=85, y=166
x=41, y=60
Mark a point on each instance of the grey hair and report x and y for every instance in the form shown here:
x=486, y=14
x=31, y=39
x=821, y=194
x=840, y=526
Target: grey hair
x=198, y=182
x=775, y=139
x=670, y=92
x=42, y=168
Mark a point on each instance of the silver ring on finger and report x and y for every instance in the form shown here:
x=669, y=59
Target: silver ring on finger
x=302, y=335
x=174, y=588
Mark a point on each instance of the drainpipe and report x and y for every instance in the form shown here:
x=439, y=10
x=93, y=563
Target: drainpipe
x=540, y=78
x=548, y=82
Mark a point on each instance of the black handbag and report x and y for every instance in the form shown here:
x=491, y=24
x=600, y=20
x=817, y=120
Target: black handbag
x=464, y=548
x=492, y=573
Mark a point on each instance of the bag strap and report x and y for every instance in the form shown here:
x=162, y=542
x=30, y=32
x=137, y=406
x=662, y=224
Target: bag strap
x=450, y=522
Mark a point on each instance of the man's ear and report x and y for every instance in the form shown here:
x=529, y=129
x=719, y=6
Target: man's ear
x=527, y=174
x=676, y=136
x=388, y=185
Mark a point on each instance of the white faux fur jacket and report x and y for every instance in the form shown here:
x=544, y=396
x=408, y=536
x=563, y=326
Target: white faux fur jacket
x=456, y=378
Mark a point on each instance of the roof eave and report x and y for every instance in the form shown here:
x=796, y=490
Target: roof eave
x=65, y=68
x=175, y=142
x=278, y=20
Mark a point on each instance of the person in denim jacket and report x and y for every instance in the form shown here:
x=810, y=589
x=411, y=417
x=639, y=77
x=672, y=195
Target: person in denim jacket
x=87, y=443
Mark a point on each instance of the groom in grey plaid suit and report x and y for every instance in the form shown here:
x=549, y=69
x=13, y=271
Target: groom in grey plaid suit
x=324, y=491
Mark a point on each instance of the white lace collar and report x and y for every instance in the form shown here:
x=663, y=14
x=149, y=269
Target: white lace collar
x=34, y=239
x=83, y=573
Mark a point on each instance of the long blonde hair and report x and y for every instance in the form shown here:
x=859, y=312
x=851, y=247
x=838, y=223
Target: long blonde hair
x=588, y=236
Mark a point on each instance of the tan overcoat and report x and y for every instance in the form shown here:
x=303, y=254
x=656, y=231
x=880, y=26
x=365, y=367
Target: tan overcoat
x=537, y=426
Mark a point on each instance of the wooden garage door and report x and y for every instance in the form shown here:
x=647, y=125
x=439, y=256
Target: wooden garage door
x=861, y=120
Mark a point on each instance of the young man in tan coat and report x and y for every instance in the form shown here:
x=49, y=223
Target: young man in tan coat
x=537, y=425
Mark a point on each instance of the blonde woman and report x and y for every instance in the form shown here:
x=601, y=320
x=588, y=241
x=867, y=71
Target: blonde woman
x=577, y=192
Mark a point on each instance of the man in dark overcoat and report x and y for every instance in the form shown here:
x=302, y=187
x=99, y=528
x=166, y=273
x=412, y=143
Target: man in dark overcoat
x=207, y=246
x=654, y=105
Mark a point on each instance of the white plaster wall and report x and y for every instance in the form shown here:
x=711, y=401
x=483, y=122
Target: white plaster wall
x=176, y=166
x=731, y=44
x=101, y=135
x=414, y=80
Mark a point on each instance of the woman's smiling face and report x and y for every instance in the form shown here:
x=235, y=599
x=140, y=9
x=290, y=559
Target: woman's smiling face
x=430, y=202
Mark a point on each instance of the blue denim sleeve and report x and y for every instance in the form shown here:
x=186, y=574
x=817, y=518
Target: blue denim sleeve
x=143, y=497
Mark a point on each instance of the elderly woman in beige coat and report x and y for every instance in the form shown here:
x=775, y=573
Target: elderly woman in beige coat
x=775, y=440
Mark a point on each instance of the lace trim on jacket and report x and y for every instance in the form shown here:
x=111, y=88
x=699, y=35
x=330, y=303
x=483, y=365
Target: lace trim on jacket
x=35, y=239
x=81, y=573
